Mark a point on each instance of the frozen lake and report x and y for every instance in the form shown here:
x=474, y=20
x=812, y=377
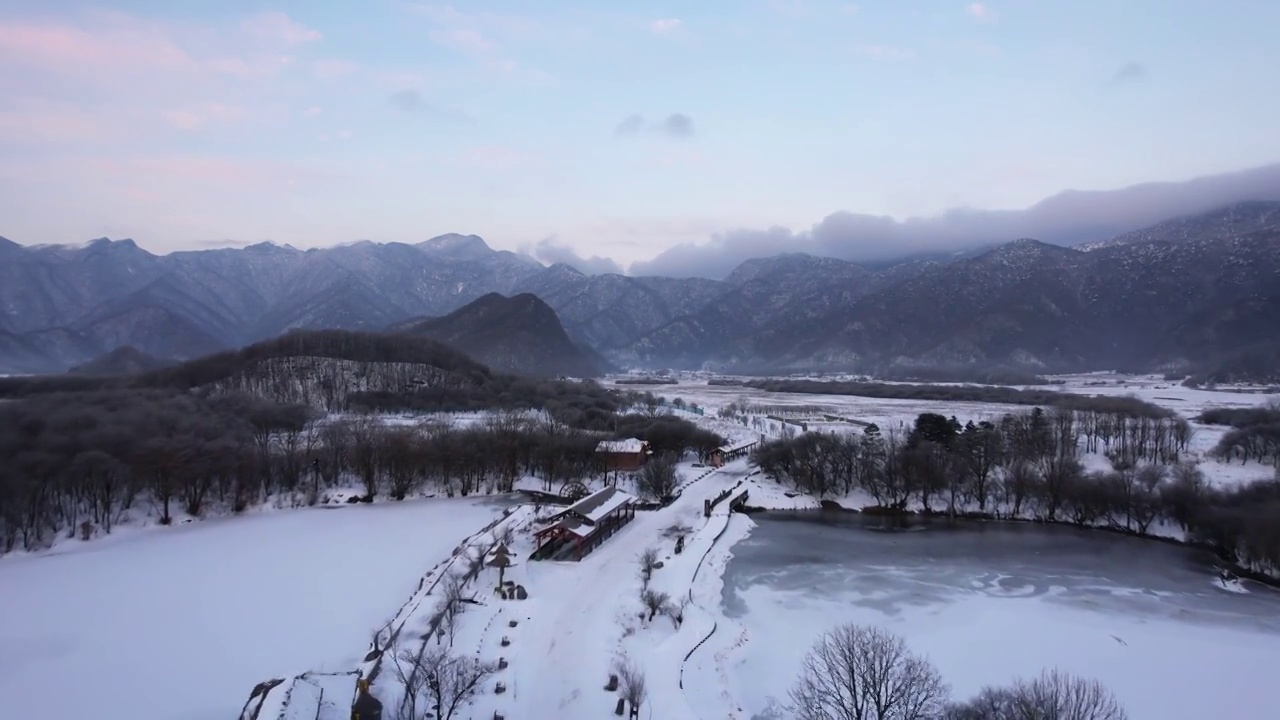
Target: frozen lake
x=991, y=602
x=181, y=623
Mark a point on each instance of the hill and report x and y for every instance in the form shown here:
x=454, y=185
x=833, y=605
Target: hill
x=121, y=361
x=519, y=334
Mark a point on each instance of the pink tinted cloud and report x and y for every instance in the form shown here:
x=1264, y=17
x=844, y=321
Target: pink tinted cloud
x=40, y=122
x=278, y=27
x=981, y=11
x=199, y=116
x=66, y=47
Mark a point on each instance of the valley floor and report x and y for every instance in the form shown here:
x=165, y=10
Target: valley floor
x=182, y=624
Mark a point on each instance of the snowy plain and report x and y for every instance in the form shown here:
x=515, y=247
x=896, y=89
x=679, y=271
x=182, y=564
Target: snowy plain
x=888, y=413
x=180, y=623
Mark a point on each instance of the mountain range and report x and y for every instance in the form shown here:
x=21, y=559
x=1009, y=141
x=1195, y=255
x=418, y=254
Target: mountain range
x=1180, y=293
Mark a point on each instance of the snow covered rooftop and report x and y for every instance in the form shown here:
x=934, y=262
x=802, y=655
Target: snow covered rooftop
x=595, y=507
x=628, y=446
x=735, y=447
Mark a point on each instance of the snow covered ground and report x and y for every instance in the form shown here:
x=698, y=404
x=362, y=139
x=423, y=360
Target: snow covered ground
x=181, y=624
x=1146, y=619
x=583, y=617
x=890, y=413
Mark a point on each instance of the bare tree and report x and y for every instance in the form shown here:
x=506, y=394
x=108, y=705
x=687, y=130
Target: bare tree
x=631, y=684
x=1054, y=695
x=657, y=479
x=648, y=563
x=452, y=586
x=655, y=602
x=436, y=684
x=676, y=610
x=865, y=673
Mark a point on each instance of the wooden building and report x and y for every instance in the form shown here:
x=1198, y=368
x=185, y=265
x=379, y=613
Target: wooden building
x=623, y=455
x=729, y=453
x=581, y=527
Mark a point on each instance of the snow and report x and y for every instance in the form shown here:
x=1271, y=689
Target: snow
x=628, y=446
x=583, y=616
x=597, y=506
x=1163, y=664
x=811, y=410
x=183, y=622
x=212, y=608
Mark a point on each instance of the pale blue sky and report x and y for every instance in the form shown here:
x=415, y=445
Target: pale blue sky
x=182, y=124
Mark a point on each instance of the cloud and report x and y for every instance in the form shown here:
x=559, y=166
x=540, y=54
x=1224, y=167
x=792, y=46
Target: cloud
x=407, y=100
x=278, y=27
x=551, y=251
x=214, y=244
x=138, y=78
x=849, y=9
x=665, y=26
x=676, y=125
x=199, y=116
x=886, y=53
x=491, y=158
x=463, y=40
x=312, y=111
x=981, y=11
x=486, y=37
x=790, y=8
x=412, y=100
x=632, y=125
x=1131, y=71
x=1068, y=218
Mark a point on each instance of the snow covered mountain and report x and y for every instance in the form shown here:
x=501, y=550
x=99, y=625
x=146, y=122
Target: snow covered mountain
x=1185, y=292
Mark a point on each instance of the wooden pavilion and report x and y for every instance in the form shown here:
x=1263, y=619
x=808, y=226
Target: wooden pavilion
x=581, y=527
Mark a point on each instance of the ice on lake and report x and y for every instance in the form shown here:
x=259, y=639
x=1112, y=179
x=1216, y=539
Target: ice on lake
x=988, y=603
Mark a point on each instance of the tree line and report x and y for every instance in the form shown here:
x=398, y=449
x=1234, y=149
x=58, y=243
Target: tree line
x=76, y=464
x=1028, y=465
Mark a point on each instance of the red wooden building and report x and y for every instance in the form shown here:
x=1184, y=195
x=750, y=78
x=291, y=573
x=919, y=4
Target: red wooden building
x=623, y=455
x=581, y=527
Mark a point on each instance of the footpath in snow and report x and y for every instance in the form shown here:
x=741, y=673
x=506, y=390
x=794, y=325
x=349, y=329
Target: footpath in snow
x=559, y=646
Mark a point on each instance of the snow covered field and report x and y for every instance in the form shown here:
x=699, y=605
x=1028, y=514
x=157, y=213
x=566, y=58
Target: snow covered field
x=990, y=604
x=890, y=413
x=181, y=623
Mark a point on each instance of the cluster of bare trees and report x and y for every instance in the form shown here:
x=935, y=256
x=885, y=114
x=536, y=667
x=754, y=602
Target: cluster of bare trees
x=866, y=673
x=436, y=683
x=78, y=463
x=1254, y=434
x=656, y=602
x=1027, y=465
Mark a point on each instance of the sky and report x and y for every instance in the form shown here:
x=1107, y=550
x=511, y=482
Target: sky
x=651, y=136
